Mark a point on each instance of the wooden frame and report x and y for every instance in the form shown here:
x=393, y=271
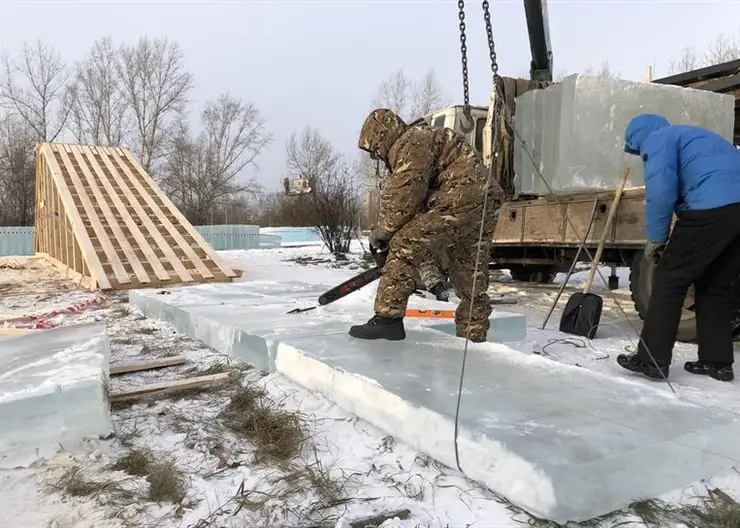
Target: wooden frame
x=102, y=218
x=542, y=221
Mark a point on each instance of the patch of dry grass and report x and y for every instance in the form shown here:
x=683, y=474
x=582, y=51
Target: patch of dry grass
x=277, y=434
x=166, y=483
x=715, y=510
x=136, y=462
x=76, y=484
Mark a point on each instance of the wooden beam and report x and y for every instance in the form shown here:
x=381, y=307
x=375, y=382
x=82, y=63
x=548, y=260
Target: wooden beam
x=126, y=368
x=180, y=217
x=153, y=231
x=70, y=210
x=159, y=389
x=92, y=215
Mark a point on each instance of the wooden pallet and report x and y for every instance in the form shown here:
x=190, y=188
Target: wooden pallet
x=101, y=217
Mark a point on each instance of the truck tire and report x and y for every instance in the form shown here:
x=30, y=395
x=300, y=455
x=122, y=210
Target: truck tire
x=538, y=274
x=642, y=272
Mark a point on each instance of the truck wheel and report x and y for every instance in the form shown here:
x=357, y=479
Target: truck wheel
x=538, y=274
x=642, y=272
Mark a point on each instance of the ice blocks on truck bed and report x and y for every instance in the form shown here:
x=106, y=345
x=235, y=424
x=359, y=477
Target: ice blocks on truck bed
x=52, y=391
x=575, y=129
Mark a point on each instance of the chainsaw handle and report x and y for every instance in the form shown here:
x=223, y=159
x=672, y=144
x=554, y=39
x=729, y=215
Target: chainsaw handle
x=379, y=256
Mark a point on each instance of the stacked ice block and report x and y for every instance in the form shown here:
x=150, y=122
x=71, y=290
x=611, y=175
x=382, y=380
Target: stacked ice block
x=53, y=391
x=574, y=130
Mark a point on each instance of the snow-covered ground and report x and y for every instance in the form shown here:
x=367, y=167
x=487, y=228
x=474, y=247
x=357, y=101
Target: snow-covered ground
x=218, y=477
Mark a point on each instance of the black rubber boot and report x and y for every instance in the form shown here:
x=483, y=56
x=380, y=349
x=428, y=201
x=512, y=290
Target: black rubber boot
x=379, y=327
x=635, y=363
x=440, y=291
x=716, y=371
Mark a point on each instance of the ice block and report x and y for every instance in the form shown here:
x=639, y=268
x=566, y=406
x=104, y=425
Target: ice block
x=585, y=121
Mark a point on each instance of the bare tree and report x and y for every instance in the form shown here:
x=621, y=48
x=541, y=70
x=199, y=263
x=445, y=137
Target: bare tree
x=38, y=88
x=408, y=98
x=208, y=171
x=724, y=48
x=687, y=61
x=156, y=85
x=393, y=93
x=426, y=96
x=333, y=207
x=17, y=171
x=100, y=114
x=603, y=70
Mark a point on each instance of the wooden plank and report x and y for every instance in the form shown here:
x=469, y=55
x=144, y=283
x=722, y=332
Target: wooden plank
x=153, y=231
x=579, y=214
x=226, y=270
x=125, y=368
x=119, y=270
x=159, y=389
x=510, y=223
x=629, y=225
x=141, y=275
x=16, y=331
x=544, y=223
x=133, y=179
x=77, y=277
x=90, y=256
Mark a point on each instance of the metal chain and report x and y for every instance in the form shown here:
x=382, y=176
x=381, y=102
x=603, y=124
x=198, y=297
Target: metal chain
x=489, y=32
x=466, y=127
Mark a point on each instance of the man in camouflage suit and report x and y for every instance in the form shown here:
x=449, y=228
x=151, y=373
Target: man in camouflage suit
x=431, y=207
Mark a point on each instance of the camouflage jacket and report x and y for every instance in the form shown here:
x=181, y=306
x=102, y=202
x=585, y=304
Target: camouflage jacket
x=431, y=169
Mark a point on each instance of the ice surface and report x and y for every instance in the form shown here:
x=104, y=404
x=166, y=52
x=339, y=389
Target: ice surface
x=53, y=391
x=580, y=444
x=505, y=327
x=248, y=319
x=584, y=122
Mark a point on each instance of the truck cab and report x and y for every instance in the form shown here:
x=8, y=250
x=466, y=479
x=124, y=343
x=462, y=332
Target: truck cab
x=452, y=117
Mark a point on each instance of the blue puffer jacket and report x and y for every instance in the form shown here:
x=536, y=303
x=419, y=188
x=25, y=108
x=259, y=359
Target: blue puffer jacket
x=686, y=167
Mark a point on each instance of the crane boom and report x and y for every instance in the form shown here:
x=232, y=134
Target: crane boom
x=539, y=40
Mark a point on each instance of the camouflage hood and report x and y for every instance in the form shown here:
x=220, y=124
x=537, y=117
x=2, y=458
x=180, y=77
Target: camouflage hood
x=380, y=131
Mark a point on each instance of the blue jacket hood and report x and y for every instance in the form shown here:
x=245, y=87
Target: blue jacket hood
x=640, y=128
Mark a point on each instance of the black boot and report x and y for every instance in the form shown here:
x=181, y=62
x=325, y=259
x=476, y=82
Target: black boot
x=720, y=372
x=379, y=327
x=440, y=291
x=635, y=363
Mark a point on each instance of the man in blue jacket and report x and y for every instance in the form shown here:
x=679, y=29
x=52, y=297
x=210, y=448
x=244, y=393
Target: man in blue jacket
x=696, y=174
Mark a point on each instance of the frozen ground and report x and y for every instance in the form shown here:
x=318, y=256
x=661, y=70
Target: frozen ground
x=180, y=464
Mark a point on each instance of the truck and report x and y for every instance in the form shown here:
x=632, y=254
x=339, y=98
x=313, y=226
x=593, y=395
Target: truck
x=532, y=238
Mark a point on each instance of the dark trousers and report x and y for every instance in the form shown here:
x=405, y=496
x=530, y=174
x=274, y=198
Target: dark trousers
x=703, y=250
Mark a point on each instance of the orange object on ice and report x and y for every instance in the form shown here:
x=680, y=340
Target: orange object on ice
x=436, y=314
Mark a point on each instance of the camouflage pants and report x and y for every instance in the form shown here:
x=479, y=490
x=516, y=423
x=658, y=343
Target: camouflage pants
x=432, y=236
x=430, y=273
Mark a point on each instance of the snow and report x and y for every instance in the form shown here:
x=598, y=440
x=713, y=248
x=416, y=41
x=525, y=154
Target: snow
x=377, y=474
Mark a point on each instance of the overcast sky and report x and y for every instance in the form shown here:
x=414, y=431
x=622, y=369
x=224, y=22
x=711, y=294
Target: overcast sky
x=320, y=62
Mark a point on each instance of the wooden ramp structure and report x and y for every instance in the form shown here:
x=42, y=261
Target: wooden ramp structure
x=102, y=218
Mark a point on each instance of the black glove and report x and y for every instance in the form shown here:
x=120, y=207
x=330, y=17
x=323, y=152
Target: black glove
x=654, y=251
x=379, y=239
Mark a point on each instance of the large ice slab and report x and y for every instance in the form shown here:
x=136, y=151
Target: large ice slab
x=575, y=129
x=247, y=319
x=53, y=391
x=565, y=443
